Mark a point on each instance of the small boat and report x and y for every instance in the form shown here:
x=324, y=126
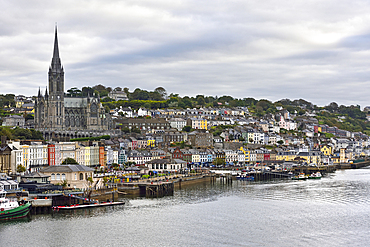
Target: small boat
x=245, y=177
x=301, y=176
x=315, y=175
x=10, y=208
x=82, y=206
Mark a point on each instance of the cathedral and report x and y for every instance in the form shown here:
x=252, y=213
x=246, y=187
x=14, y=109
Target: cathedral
x=54, y=111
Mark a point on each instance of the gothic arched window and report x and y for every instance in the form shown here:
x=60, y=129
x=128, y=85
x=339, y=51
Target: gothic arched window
x=93, y=110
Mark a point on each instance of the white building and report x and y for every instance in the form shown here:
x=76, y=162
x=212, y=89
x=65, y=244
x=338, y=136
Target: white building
x=177, y=123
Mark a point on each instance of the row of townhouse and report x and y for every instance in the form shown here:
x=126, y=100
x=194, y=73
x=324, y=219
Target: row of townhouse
x=36, y=155
x=202, y=112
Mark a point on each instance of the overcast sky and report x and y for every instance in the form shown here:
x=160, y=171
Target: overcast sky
x=315, y=50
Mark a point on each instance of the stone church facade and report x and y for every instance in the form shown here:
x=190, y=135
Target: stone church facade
x=54, y=111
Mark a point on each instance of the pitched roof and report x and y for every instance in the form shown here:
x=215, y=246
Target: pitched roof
x=67, y=168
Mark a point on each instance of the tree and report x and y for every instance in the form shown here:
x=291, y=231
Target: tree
x=136, y=130
x=87, y=91
x=21, y=169
x=218, y=162
x=65, y=183
x=125, y=130
x=69, y=161
x=74, y=92
x=200, y=100
x=186, y=128
x=162, y=92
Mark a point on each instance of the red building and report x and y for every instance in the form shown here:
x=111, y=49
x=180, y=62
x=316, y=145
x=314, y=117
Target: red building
x=101, y=156
x=177, y=154
x=266, y=156
x=51, y=154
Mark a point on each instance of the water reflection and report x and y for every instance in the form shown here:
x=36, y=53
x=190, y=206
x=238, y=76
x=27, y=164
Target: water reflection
x=272, y=213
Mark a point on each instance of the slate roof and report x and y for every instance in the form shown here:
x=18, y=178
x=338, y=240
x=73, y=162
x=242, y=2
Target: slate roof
x=35, y=175
x=67, y=168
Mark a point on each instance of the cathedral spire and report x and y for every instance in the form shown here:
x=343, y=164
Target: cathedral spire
x=39, y=94
x=55, y=63
x=46, y=92
x=56, y=48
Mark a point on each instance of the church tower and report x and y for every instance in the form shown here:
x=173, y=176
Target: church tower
x=56, y=90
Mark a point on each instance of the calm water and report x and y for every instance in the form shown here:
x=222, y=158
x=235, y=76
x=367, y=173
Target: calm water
x=333, y=211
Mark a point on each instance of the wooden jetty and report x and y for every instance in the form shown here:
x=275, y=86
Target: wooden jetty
x=156, y=189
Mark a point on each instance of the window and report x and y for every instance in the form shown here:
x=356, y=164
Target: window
x=58, y=176
x=75, y=176
x=52, y=176
x=63, y=176
x=81, y=176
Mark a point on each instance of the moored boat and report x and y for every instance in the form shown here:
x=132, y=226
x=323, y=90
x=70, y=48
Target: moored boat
x=245, y=177
x=10, y=208
x=315, y=175
x=77, y=206
x=301, y=176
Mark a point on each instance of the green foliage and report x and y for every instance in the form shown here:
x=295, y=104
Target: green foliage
x=65, y=183
x=96, y=138
x=20, y=133
x=7, y=100
x=69, y=161
x=74, y=92
x=217, y=130
x=329, y=135
x=21, y=168
x=136, y=130
x=219, y=162
x=125, y=130
x=186, y=128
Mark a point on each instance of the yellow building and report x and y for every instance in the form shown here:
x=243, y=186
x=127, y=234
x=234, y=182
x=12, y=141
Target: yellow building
x=287, y=156
x=327, y=150
x=197, y=123
x=311, y=157
x=342, y=155
x=246, y=154
x=150, y=143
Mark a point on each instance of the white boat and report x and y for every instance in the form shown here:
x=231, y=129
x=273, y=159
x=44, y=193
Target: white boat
x=10, y=208
x=315, y=175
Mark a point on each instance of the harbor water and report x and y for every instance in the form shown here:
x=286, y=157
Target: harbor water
x=332, y=211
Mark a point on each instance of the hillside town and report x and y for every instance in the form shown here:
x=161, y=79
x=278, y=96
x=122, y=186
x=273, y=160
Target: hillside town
x=181, y=140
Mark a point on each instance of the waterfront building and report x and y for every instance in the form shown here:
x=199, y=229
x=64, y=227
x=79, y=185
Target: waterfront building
x=75, y=175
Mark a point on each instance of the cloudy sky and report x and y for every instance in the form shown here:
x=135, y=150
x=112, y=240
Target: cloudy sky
x=315, y=50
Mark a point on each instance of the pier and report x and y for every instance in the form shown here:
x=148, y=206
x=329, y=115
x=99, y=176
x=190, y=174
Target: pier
x=156, y=189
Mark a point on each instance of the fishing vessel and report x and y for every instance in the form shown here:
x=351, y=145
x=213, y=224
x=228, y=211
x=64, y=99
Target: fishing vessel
x=11, y=209
x=301, y=176
x=315, y=175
